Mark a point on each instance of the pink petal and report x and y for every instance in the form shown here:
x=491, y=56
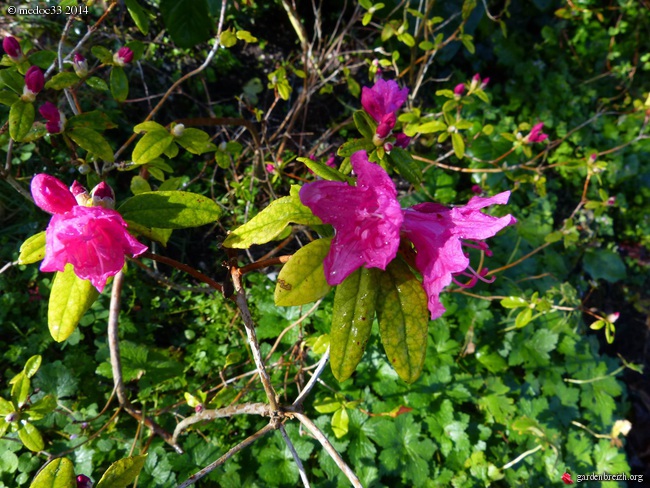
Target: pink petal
x=383, y=98
x=51, y=194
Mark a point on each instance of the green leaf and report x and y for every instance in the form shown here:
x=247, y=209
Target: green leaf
x=349, y=148
x=403, y=319
x=196, y=141
x=523, y=318
x=69, y=299
x=93, y=142
x=271, y=221
x=148, y=126
x=406, y=165
x=6, y=407
x=62, y=80
x=302, y=279
x=365, y=125
x=21, y=118
x=340, y=422
x=97, y=83
x=8, y=98
x=514, y=302
x=119, y=84
x=139, y=185
x=42, y=407
x=323, y=171
x=459, y=144
x=103, y=54
x=33, y=249
x=170, y=209
x=152, y=145
x=155, y=234
x=139, y=15
x=12, y=80
x=31, y=437
x=431, y=126
x=246, y=36
x=42, y=59
x=32, y=365
x=352, y=317
x=122, y=473
x=327, y=405
x=188, y=21
x=228, y=38
x=21, y=385
x=95, y=120
x=58, y=473
x=604, y=264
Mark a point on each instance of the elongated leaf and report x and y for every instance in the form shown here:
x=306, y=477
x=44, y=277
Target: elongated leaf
x=170, y=209
x=340, y=422
x=20, y=388
x=432, y=126
x=152, y=145
x=95, y=120
x=42, y=59
x=324, y=171
x=349, y=148
x=513, y=302
x=7, y=98
x=59, y=473
x=188, y=21
x=42, y=407
x=147, y=126
x=33, y=249
x=271, y=221
x=69, y=299
x=302, y=279
x=119, y=84
x=32, y=365
x=403, y=319
x=139, y=15
x=103, y=54
x=97, y=83
x=354, y=311
x=459, y=144
x=158, y=235
x=62, y=80
x=31, y=437
x=122, y=473
x=406, y=165
x=21, y=118
x=365, y=125
x=196, y=141
x=93, y=142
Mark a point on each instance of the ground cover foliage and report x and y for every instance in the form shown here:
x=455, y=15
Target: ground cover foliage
x=521, y=381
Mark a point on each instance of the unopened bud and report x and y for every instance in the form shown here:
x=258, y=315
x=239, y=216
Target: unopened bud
x=34, y=83
x=123, y=57
x=12, y=48
x=199, y=408
x=84, y=481
x=80, y=193
x=177, y=130
x=103, y=196
x=80, y=65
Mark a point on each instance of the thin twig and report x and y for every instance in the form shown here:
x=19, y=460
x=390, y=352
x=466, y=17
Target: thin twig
x=301, y=468
x=184, y=267
x=316, y=432
x=208, y=469
x=313, y=380
x=522, y=456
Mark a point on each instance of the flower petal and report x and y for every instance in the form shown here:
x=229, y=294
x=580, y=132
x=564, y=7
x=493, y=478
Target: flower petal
x=51, y=194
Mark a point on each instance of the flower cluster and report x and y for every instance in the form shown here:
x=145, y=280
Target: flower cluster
x=92, y=238
x=369, y=223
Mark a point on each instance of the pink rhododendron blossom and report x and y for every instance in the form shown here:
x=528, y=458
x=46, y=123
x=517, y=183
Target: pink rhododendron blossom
x=459, y=89
x=367, y=218
x=536, y=134
x=123, y=56
x=34, y=83
x=93, y=239
x=439, y=234
x=55, y=119
x=381, y=102
x=12, y=48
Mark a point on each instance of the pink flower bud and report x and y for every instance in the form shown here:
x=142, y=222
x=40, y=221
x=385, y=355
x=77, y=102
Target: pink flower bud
x=34, y=83
x=485, y=82
x=536, y=134
x=12, y=48
x=270, y=168
x=84, y=481
x=402, y=140
x=55, y=119
x=103, y=196
x=123, y=57
x=459, y=89
x=80, y=65
x=386, y=125
x=477, y=189
x=80, y=193
x=611, y=201
x=476, y=78
x=199, y=408
x=388, y=147
x=331, y=161
x=613, y=317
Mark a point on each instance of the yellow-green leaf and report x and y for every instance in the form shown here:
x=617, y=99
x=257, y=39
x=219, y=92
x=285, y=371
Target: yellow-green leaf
x=458, y=144
x=403, y=319
x=352, y=317
x=152, y=145
x=122, y=473
x=119, y=84
x=340, y=422
x=93, y=142
x=62, y=80
x=20, y=388
x=302, y=279
x=59, y=473
x=33, y=249
x=32, y=365
x=31, y=437
x=69, y=299
x=21, y=118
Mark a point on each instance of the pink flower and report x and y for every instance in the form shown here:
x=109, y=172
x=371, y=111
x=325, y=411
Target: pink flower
x=80, y=65
x=367, y=218
x=34, y=83
x=93, y=239
x=55, y=119
x=12, y=48
x=478, y=83
x=84, y=481
x=381, y=102
x=439, y=233
x=536, y=134
x=270, y=168
x=331, y=161
x=123, y=57
x=402, y=140
x=459, y=89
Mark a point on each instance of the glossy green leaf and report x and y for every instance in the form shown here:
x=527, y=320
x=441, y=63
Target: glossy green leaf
x=97, y=83
x=349, y=148
x=188, y=21
x=271, y=221
x=33, y=249
x=8, y=98
x=42, y=407
x=69, y=299
x=148, y=126
x=352, y=317
x=6, y=407
x=403, y=319
x=62, y=80
x=228, y=38
x=96, y=120
x=604, y=264
x=153, y=233
x=405, y=165
x=327, y=405
x=139, y=15
x=514, y=302
x=122, y=473
x=32, y=365
x=119, y=84
x=103, y=54
x=324, y=171
x=152, y=145
x=340, y=422
x=365, y=124
x=139, y=185
x=31, y=437
x=4, y=427
x=196, y=141
x=58, y=473
x=170, y=209
x=459, y=144
x=43, y=59
x=302, y=279
x=21, y=118
x=21, y=384
x=12, y=80
x=523, y=317
x=432, y=126
x=93, y=142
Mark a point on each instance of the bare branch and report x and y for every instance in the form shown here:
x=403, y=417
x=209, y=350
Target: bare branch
x=301, y=468
x=314, y=379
